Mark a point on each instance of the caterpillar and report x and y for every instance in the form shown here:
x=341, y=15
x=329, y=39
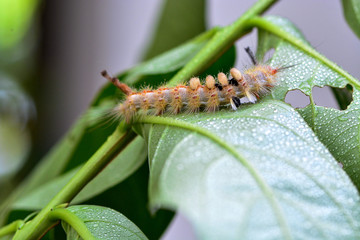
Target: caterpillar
x=252, y=84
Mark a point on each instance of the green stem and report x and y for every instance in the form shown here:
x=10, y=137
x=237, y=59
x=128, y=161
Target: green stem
x=115, y=143
x=299, y=43
x=10, y=228
x=220, y=43
x=73, y=220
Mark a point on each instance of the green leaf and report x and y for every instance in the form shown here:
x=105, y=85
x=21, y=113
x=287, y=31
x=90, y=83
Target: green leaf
x=309, y=71
x=130, y=197
x=257, y=173
x=179, y=21
x=337, y=130
x=352, y=14
x=126, y=163
x=103, y=223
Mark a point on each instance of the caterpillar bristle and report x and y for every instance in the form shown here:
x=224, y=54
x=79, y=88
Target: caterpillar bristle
x=287, y=66
x=251, y=55
x=252, y=84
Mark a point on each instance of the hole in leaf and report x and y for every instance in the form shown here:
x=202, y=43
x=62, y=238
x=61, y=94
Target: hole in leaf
x=331, y=97
x=323, y=97
x=338, y=98
x=297, y=99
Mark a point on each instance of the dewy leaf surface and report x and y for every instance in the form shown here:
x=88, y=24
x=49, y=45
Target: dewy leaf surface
x=257, y=173
x=338, y=130
x=103, y=223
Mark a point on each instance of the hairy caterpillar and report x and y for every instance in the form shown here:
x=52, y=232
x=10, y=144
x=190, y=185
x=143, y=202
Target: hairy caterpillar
x=252, y=84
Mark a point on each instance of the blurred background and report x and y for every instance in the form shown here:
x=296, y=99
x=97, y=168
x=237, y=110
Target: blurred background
x=52, y=53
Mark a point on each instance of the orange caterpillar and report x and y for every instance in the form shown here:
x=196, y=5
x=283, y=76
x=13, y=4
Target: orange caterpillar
x=252, y=84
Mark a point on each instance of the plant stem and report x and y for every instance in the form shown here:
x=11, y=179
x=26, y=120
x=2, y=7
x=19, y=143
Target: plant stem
x=220, y=43
x=73, y=220
x=10, y=228
x=121, y=137
x=274, y=29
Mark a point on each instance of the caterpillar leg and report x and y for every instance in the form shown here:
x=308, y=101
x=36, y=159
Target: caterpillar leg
x=235, y=103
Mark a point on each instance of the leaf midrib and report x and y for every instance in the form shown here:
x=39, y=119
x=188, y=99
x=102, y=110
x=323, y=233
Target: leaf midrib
x=117, y=224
